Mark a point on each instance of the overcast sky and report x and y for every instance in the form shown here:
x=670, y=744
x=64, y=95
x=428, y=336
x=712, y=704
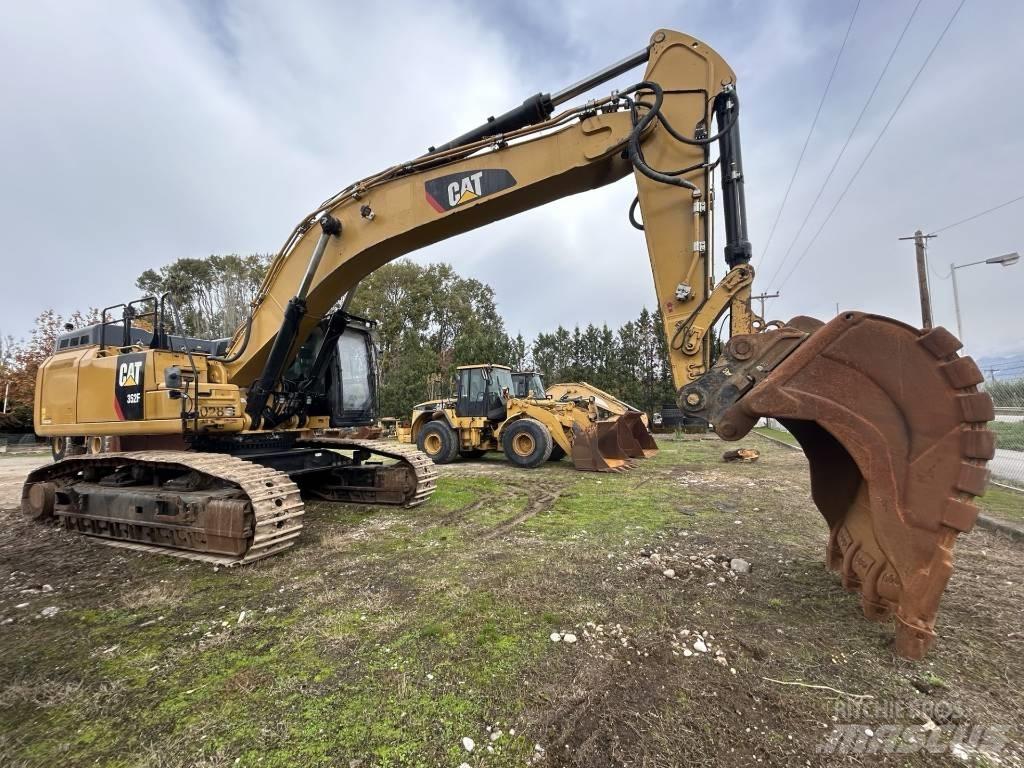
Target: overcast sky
x=136, y=133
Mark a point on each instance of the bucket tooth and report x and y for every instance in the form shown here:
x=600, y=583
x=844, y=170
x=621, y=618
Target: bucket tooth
x=893, y=427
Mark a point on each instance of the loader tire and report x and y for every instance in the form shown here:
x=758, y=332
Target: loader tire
x=439, y=442
x=557, y=452
x=527, y=443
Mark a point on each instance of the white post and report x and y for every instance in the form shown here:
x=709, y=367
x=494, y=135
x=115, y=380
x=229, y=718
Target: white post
x=956, y=305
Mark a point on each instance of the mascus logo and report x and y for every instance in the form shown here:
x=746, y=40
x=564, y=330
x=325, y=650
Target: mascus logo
x=447, y=192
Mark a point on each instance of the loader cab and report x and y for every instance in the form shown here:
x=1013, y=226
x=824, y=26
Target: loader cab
x=483, y=391
x=527, y=382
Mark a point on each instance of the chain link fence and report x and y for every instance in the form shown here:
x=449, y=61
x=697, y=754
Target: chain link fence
x=20, y=442
x=1005, y=497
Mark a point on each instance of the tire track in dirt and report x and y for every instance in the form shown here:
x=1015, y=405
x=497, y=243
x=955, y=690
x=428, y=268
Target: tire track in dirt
x=543, y=501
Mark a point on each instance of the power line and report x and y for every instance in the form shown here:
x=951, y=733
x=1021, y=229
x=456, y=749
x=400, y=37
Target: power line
x=846, y=144
x=977, y=215
x=871, y=150
x=810, y=131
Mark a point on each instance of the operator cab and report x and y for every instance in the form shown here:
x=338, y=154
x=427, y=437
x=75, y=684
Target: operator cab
x=528, y=382
x=483, y=391
x=335, y=372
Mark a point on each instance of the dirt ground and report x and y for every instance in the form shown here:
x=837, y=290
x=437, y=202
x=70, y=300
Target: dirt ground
x=529, y=612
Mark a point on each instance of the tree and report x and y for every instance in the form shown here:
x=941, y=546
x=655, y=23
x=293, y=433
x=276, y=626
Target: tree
x=20, y=361
x=430, y=320
x=212, y=295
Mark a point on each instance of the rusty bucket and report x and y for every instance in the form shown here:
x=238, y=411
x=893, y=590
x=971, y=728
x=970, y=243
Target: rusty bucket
x=893, y=426
x=634, y=436
x=596, y=448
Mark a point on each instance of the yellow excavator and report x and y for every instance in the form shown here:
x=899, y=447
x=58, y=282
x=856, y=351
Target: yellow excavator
x=217, y=441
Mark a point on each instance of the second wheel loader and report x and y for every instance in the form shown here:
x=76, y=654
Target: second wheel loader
x=604, y=405
x=889, y=416
x=487, y=415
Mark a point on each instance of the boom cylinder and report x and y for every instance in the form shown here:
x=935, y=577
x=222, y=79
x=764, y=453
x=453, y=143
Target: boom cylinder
x=259, y=393
x=734, y=203
x=539, y=107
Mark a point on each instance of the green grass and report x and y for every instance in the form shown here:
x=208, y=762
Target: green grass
x=1009, y=434
x=778, y=434
x=1003, y=503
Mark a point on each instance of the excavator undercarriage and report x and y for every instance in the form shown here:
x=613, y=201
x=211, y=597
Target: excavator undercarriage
x=217, y=507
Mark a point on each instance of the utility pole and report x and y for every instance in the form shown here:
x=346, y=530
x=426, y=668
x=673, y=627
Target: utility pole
x=922, y=277
x=762, y=296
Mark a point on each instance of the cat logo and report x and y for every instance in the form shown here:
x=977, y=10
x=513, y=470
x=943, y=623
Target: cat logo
x=128, y=374
x=447, y=192
x=129, y=386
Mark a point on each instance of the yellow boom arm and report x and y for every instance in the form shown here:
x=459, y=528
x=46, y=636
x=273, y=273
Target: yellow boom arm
x=443, y=194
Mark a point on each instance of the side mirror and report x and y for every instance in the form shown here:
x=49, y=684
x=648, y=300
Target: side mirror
x=172, y=377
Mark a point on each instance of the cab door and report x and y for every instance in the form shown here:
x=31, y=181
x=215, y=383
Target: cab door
x=472, y=396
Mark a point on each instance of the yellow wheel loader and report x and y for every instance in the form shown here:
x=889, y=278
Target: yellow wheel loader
x=484, y=415
x=218, y=440
x=633, y=427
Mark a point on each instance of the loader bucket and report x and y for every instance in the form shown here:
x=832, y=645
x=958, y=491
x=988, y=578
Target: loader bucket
x=893, y=427
x=596, y=448
x=634, y=436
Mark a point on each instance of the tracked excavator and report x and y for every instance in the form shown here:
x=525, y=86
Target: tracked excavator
x=216, y=447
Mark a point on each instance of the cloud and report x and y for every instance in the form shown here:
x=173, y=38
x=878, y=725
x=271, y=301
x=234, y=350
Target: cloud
x=138, y=133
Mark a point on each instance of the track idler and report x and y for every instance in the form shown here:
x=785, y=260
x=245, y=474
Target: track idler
x=894, y=430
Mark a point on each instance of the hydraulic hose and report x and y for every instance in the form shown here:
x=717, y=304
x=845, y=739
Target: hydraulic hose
x=241, y=349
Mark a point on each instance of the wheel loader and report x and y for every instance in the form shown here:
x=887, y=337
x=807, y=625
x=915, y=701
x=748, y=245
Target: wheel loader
x=607, y=407
x=217, y=444
x=486, y=415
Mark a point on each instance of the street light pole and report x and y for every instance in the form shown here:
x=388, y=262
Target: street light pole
x=1006, y=260
x=956, y=304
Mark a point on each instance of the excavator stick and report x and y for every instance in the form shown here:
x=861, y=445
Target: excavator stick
x=894, y=429
x=634, y=436
x=596, y=448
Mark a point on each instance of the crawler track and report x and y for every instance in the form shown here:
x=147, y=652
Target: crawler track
x=408, y=483
x=214, y=507
x=271, y=522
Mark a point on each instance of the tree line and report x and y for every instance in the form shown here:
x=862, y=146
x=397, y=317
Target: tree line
x=429, y=320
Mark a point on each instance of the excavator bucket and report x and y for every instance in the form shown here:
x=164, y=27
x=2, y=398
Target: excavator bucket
x=634, y=437
x=596, y=448
x=893, y=427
